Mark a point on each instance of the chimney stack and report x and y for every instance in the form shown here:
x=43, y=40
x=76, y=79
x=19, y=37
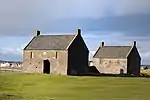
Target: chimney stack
x=134, y=43
x=37, y=33
x=101, y=44
x=78, y=31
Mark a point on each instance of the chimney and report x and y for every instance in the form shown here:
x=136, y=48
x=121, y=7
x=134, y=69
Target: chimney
x=78, y=31
x=134, y=43
x=101, y=44
x=37, y=33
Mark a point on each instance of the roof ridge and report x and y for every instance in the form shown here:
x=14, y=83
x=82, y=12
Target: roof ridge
x=119, y=46
x=58, y=35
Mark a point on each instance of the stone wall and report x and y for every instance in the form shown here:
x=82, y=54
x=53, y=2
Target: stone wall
x=110, y=66
x=78, y=57
x=33, y=61
x=134, y=62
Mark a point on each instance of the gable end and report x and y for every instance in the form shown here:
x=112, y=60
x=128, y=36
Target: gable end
x=96, y=53
x=29, y=43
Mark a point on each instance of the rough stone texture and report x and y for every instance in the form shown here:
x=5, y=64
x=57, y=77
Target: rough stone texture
x=72, y=59
x=110, y=66
x=35, y=64
x=113, y=52
x=129, y=65
x=50, y=42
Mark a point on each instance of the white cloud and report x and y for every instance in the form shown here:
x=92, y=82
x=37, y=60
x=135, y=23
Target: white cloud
x=92, y=8
x=20, y=13
x=12, y=53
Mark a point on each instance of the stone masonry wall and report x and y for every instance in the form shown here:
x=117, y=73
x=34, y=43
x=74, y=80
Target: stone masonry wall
x=110, y=66
x=34, y=64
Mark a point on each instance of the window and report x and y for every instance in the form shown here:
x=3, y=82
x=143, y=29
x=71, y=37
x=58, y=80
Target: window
x=56, y=55
x=31, y=54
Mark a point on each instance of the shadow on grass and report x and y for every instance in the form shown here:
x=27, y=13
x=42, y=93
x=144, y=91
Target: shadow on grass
x=9, y=97
x=93, y=71
x=114, y=75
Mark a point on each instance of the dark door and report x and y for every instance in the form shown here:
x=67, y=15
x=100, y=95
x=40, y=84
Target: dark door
x=46, y=66
x=121, y=71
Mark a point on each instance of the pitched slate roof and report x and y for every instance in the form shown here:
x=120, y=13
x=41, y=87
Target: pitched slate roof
x=50, y=42
x=113, y=52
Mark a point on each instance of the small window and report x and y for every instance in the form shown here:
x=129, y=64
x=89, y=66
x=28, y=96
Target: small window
x=31, y=54
x=56, y=55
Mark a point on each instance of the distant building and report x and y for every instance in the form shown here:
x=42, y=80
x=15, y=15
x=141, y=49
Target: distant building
x=56, y=54
x=10, y=64
x=4, y=64
x=117, y=59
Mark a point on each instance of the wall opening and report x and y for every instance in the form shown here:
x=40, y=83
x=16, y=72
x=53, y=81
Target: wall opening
x=121, y=71
x=31, y=54
x=46, y=66
x=56, y=55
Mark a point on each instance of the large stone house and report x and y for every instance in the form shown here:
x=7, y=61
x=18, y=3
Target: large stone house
x=56, y=54
x=117, y=59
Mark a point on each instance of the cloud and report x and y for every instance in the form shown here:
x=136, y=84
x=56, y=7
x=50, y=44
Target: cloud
x=25, y=16
x=12, y=53
x=90, y=8
x=131, y=24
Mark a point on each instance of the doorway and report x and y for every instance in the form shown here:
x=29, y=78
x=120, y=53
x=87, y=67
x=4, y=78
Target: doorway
x=46, y=66
x=121, y=71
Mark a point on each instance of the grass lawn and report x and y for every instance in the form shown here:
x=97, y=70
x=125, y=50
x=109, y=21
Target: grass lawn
x=19, y=86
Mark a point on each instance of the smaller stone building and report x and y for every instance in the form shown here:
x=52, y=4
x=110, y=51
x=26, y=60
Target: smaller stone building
x=117, y=59
x=56, y=54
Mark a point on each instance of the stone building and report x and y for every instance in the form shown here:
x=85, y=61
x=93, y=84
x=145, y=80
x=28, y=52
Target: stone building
x=117, y=59
x=56, y=54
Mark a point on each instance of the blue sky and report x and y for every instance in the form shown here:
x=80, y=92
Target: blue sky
x=116, y=22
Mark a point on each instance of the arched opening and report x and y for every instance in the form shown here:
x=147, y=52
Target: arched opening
x=46, y=66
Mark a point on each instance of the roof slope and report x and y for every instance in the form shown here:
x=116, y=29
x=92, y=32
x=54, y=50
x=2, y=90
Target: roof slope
x=50, y=42
x=113, y=52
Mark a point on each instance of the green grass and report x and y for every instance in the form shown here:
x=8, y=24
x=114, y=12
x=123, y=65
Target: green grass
x=19, y=86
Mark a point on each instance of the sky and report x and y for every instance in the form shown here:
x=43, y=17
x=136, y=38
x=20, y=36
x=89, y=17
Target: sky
x=115, y=22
